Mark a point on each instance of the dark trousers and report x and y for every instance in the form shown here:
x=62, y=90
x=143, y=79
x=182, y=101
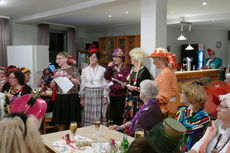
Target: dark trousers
x=117, y=106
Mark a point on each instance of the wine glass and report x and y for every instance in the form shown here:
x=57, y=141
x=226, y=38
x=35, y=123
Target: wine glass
x=73, y=127
x=139, y=133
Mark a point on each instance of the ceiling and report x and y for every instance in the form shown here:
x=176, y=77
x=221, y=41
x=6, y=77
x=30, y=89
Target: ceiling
x=95, y=13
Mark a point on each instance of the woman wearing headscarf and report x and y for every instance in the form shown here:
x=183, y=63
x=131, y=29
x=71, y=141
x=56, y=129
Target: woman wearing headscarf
x=137, y=74
x=117, y=70
x=166, y=80
x=92, y=92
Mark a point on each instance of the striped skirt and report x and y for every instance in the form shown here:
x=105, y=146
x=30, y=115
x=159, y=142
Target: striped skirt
x=94, y=106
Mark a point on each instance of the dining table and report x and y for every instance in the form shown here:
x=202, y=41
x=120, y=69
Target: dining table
x=88, y=132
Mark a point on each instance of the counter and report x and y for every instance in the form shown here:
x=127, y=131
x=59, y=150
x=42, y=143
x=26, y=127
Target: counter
x=188, y=76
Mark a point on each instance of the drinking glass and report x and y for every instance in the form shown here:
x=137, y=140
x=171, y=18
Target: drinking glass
x=139, y=133
x=73, y=127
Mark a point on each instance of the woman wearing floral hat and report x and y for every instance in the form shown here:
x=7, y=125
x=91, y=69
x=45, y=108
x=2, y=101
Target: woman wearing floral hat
x=166, y=80
x=137, y=74
x=117, y=70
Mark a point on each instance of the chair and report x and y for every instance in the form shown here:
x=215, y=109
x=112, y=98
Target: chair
x=47, y=119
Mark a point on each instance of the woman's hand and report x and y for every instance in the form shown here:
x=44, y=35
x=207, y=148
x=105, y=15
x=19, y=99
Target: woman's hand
x=105, y=100
x=115, y=127
x=132, y=88
x=82, y=102
x=110, y=64
x=107, y=87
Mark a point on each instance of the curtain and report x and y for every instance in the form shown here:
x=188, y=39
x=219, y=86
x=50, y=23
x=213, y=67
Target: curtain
x=43, y=34
x=4, y=40
x=71, y=42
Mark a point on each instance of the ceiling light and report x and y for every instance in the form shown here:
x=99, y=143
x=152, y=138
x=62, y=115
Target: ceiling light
x=126, y=12
x=212, y=19
x=181, y=37
x=171, y=12
x=204, y=3
x=189, y=47
x=110, y=16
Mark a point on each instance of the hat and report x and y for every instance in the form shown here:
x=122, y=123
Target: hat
x=163, y=53
x=24, y=70
x=10, y=68
x=213, y=91
x=167, y=136
x=92, y=49
x=118, y=53
x=28, y=105
x=210, y=51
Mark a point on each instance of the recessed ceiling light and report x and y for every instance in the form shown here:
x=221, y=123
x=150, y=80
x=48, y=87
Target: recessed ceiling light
x=171, y=12
x=110, y=16
x=204, y=3
x=126, y=12
x=212, y=19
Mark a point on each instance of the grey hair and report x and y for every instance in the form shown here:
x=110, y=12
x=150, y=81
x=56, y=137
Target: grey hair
x=149, y=88
x=226, y=98
x=228, y=74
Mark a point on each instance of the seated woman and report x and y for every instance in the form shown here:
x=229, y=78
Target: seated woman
x=19, y=134
x=217, y=137
x=192, y=115
x=149, y=114
x=17, y=88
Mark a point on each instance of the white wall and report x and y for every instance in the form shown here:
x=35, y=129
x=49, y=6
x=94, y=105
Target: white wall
x=21, y=34
x=204, y=35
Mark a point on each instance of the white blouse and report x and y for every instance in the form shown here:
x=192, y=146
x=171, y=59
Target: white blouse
x=224, y=138
x=93, y=78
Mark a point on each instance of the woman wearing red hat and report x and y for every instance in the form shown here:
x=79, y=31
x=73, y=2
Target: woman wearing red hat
x=166, y=80
x=92, y=92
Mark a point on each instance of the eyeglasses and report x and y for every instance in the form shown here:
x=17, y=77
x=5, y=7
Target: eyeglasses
x=11, y=78
x=222, y=107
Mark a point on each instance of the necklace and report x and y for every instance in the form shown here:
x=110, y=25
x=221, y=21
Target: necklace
x=215, y=150
x=91, y=77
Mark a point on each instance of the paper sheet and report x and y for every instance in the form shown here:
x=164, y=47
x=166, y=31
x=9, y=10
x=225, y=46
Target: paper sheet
x=64, y=83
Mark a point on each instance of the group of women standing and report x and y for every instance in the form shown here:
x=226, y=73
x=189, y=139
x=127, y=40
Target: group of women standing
x=118, y=83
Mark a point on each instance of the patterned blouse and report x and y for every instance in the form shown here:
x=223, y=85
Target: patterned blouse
x=73, y=72
x=195, y=124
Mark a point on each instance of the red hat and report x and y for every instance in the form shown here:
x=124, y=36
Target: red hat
x=213, y=90
x=92, y=49
x=210, y=51
x=71, y=60
x=28, y=105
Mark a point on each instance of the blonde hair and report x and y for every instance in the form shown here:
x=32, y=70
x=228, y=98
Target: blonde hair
x=64, y=54
x=195, y=94
x=138, y=54
x=13, y=139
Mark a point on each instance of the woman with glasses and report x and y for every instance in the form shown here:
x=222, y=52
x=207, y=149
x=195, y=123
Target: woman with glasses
x=191, y=114
x=17, y=88
x=217, y=137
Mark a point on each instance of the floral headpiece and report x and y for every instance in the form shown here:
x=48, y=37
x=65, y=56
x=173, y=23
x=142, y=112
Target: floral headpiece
x=71, y=60
x=11, y=68
x=24, y=70
x=92, y=49
x=118, y=53
x=162, y=52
